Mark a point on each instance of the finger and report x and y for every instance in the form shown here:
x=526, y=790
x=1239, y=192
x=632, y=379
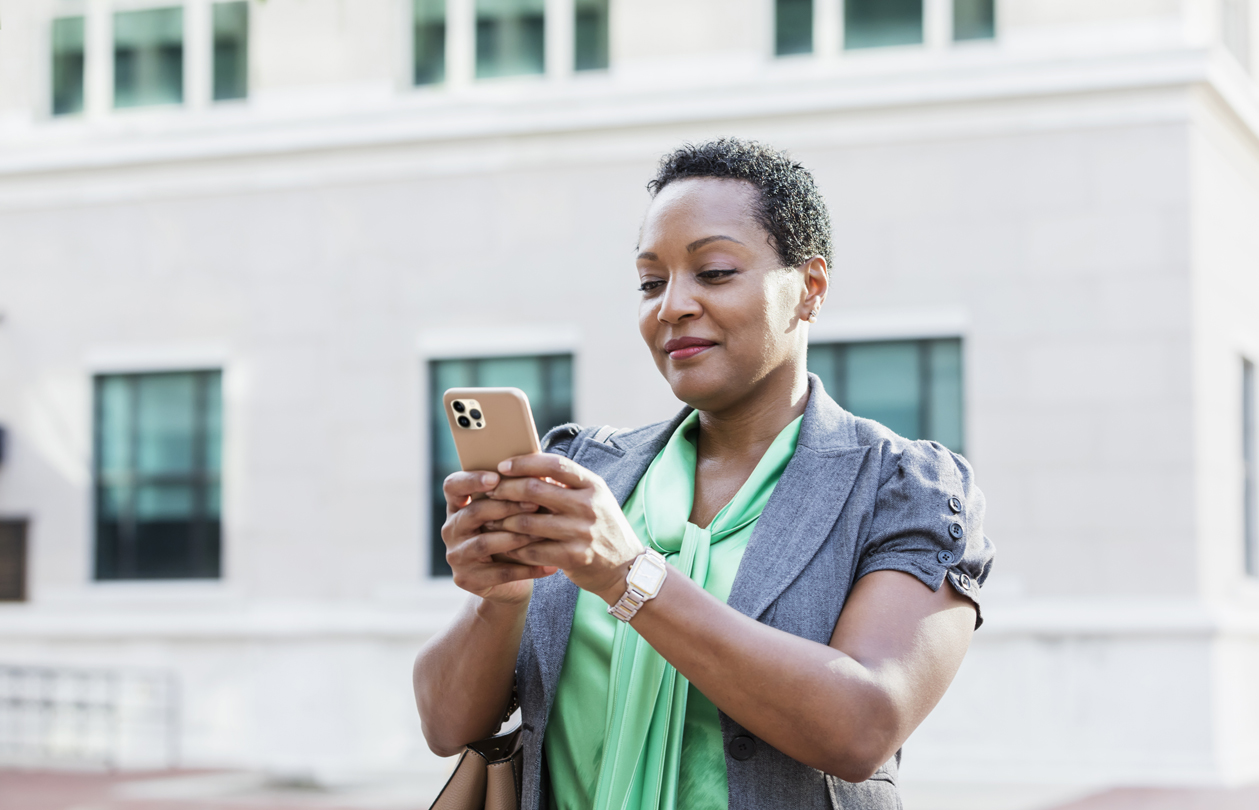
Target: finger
x=548, y=465
x=481, y=548
x=535, y=490
x=471, y=518
x=546, y=526
x=485, y=577
x=460, y=486
x=552, y=553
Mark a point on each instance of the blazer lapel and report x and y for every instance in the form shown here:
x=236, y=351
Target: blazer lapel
x=804, y=507
x=620, y=463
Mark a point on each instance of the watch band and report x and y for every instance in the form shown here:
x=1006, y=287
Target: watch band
x=643, y=582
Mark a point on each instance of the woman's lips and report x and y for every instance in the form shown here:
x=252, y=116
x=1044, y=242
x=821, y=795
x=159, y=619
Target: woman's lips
x=684, y=348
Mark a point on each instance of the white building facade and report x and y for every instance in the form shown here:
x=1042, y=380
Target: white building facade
x=242, y=244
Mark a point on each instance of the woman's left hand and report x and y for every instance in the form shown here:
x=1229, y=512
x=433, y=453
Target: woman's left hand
x=585, y=534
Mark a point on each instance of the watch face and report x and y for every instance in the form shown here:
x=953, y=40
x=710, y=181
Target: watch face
x=647, y=577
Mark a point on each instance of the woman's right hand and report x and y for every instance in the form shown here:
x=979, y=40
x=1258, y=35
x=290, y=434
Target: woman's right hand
x=471, y=551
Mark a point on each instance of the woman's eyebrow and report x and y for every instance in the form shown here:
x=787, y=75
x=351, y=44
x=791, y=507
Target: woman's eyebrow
x=691, y=248
x=699, y=243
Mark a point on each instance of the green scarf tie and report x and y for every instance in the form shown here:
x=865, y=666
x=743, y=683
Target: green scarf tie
x=646, y=696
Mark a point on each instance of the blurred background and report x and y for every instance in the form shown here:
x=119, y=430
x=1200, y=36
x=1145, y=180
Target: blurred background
x=244, y=246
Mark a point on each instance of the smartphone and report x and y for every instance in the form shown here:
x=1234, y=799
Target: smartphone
x=490, y=425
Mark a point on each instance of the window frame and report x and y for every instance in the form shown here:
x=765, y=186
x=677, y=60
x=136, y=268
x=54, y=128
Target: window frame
x=213, y=6
x=412, y=52
x=199, y=479
x=50, y=63
x=185, y=17
x=923, y=344
x=830, y=35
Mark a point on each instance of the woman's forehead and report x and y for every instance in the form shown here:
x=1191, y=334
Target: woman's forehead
x=685, y=207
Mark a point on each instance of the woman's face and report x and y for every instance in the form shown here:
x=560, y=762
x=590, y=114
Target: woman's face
x=719, y=312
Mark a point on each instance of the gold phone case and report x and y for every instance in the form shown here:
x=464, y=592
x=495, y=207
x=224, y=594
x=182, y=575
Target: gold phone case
x=502, y=427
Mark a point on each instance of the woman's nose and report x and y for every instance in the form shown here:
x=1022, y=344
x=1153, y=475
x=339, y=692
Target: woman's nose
x=677, y=304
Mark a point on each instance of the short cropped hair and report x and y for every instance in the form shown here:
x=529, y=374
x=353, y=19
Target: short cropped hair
x=790, y=208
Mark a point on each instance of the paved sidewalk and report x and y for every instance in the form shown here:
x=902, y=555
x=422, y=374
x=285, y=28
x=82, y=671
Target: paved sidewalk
x=192, y=790
x=1246, y=798
x=940, y=796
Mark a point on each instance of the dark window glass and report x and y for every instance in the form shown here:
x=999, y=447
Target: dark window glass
x=158, y=440
x=1235, y=22
x=510, y=38
x=12, y=561
x=149, y=57
x=793, y=27
x=1250, y=493
x=590, y=35
x=429, y=44
x=231, y=50
x=913, y=387
x=67, y=65
x=877, y=23
x=547, y=380
x=974, y=19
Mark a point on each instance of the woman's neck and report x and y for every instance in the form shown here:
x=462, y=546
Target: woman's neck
x=748, y=427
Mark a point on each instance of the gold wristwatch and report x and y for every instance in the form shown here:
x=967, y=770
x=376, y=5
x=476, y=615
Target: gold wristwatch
x=643, y=582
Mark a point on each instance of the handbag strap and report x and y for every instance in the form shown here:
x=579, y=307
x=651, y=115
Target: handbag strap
x=512, y=706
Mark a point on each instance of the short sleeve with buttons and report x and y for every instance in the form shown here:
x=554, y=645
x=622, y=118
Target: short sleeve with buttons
x=928, y=521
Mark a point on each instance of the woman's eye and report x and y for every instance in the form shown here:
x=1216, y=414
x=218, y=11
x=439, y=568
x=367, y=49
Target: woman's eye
x=648, y=286
x=716, y=275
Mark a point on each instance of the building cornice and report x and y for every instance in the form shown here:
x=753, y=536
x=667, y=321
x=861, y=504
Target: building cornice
x=167, y=153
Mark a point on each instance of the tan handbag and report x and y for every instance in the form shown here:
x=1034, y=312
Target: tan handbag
x=487, y=776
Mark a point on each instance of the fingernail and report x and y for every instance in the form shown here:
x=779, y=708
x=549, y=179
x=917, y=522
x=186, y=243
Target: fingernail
x=489, y=479
x=505, y=467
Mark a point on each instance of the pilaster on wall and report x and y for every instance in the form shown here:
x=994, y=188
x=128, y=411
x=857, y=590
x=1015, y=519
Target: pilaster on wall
x=560, y=25
x=937, y=23
x=828, y=28
x=98, y=66
x=198, y=54
x=460, y=42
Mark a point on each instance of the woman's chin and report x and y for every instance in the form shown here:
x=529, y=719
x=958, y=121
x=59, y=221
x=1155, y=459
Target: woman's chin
x=701, y=389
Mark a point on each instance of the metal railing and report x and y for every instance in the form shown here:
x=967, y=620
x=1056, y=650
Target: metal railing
x=53, y=716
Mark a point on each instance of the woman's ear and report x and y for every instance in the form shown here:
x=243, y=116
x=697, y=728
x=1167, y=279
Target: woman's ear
x=816, y=285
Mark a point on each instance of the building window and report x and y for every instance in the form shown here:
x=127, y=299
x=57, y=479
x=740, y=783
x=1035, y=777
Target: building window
x=793, y=27
x=158, y=440
x=231, y=50
x=1250, y=476
x=974, y=19
x=149, y=57
x=590, y=35
x=913, y=387
x=12, y=560
x=67, y=65
x=510, y=38
x=878, y=23
x=546, y=379
x=429, y=42
x=1235, y=22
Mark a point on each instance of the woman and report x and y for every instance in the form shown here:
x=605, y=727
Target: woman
x=800, y=632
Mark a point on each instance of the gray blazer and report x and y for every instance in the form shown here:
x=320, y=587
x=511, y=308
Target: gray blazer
x=854, y=498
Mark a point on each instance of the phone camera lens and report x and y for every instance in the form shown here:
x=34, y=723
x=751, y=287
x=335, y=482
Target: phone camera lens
x=458, y=406
x=464, y=422
x=474, y=413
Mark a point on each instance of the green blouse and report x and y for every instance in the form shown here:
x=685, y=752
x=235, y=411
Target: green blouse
x=615, y=692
